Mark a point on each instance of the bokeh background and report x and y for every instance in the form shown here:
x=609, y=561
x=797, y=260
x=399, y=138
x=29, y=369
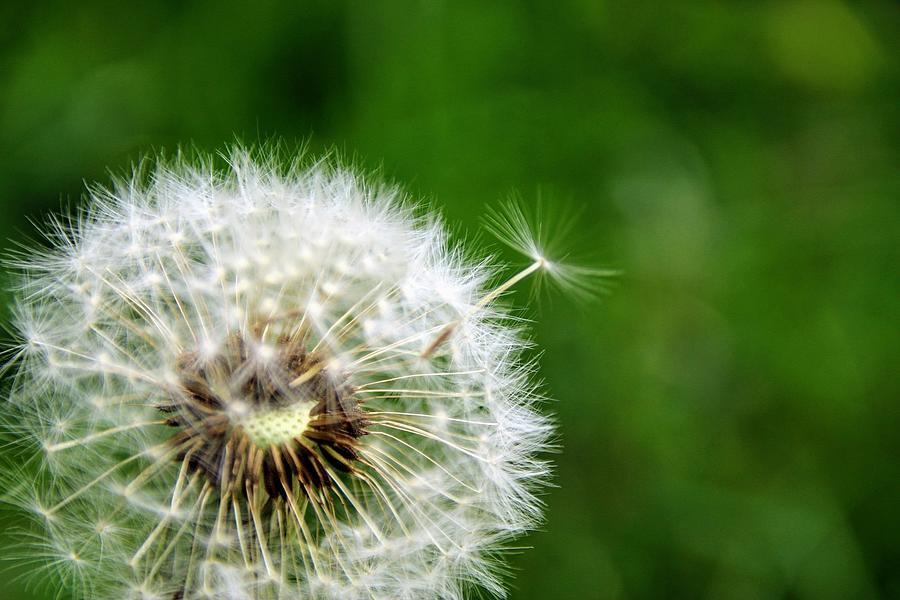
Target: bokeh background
x=730, y=412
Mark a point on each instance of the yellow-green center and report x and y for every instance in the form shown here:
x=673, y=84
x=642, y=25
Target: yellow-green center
x=275, y=427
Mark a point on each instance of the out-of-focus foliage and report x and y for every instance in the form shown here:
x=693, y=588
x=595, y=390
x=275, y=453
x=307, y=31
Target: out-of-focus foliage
x=730, y=414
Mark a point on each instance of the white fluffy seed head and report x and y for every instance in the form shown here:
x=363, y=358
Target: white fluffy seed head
x=269, y=383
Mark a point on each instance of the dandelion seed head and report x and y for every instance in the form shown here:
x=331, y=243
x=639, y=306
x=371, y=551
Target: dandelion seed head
x=272, y=382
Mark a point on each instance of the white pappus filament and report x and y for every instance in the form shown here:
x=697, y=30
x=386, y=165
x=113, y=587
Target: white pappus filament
x=269, y=383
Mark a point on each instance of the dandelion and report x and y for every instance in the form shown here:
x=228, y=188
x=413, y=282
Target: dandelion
x=270, y=383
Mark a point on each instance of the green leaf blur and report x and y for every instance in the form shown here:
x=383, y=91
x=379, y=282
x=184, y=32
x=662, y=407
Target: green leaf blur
x=730, y=413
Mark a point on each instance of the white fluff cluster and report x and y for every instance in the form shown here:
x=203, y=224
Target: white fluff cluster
x=268, y=383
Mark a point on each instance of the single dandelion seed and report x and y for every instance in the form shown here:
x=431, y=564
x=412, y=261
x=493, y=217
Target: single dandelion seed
x=270, y=383
x=544, y=241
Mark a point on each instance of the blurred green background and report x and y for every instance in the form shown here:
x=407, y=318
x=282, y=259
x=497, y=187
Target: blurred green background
x=730, y=414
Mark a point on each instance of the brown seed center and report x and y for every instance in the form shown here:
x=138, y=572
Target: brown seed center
x=288, y=421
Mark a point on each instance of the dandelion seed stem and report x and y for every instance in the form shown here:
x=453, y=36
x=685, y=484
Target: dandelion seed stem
x=260, y=534
x=415, y=375
x=100, y=434
x=448, y=330
x=493, y=294
x=164, y=522
x=92, y=483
